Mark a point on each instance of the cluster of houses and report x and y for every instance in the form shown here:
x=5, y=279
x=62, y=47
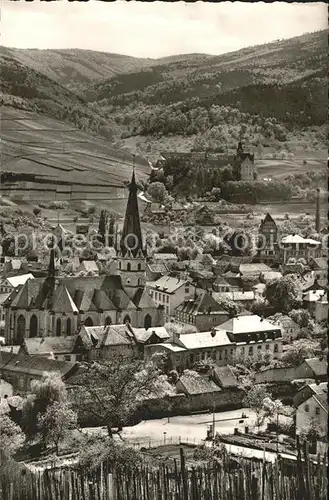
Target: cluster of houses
x=142, y=305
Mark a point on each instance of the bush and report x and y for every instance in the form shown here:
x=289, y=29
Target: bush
x=36, y=211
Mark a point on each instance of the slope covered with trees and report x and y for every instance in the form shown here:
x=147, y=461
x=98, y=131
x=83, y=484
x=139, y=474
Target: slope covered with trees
x=275, y=91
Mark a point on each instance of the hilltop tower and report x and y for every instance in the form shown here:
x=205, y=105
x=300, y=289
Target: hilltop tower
x=317, y=211
x=131, y=254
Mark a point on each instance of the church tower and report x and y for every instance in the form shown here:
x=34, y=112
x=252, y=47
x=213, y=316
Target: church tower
x=131, y=254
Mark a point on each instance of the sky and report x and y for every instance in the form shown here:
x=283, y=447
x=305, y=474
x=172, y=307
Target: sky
x=155, y=29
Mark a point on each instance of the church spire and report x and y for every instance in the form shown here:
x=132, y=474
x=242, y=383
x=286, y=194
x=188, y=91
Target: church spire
x=131, y=237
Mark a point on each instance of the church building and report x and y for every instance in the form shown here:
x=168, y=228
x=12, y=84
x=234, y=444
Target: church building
x=58, y=306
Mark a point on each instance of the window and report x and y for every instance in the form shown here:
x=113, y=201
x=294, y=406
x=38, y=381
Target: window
x=231, y=352
x=20, y=328
x=139, y=267
x=127, y=319
x=225, y=354
x=108, y=320
x=68, y=326
x=242, y=350
x=67, y=357
x=187, y=289
x=259, y=347
x=58, y=327
x=128, y=266
x=167, y=299
x=33, y=326
x=219, y=355
x=156, y=295
x=276, y=348
x=317, y=411
x=147, y=322
x=267, y=346
x=251, y=351
x=307, y=408
x=89, y=322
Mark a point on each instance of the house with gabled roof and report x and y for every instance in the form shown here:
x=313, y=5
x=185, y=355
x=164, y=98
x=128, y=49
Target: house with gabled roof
x=20, y=370
x=102, y=342
x=8, y=284
x=169, y=292
x=268, y=247
x=311, y=403
x=60, y=348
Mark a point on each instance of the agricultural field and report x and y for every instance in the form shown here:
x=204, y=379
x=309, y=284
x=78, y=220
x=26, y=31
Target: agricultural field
x=279, y=169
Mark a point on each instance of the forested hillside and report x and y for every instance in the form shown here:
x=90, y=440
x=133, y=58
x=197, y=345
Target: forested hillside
x=274, y=94
x=25, y=88
x=75, y=68
x=273, y=91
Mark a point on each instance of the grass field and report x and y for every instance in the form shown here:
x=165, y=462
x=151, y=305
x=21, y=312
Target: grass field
x=280, y=169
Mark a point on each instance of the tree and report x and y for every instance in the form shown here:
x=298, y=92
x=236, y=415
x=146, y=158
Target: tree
x=272, y=408
x=301, y=317
x=255, y=399
x=284, y=294
x=298, y=351
x=157, y=191
x=215, y=193
x=112, y=390
x=95, y=450
x=56, y=422
x=11, y=437
x=44, y=393
x=102, y=226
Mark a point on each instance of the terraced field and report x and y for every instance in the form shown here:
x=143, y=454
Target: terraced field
x=65, y=163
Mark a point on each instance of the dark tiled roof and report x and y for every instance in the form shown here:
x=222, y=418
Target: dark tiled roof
x=99, y=336
x=319, y=367
x=226, y=376
x=142, y=299
x=204, y=303
x=195, y=383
